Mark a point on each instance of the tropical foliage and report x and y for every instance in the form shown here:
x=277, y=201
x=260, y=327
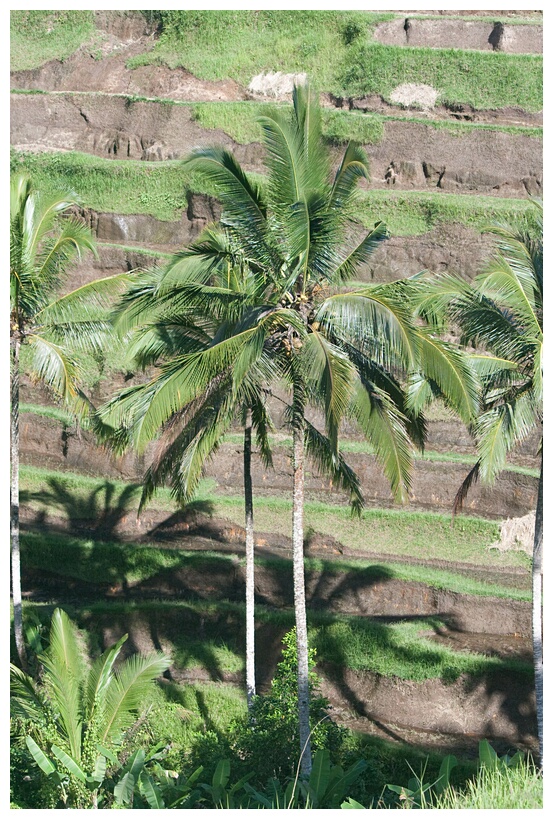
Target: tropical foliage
x=74, y=719
x=41, y=248
x=501, y=317
x=272, y=282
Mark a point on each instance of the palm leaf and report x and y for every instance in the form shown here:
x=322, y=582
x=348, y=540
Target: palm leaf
x=99, y=677
x=328, y=372
x=463, y=490
x=319, y=449
x=450, y=370
x=385, y=428
x=125, y=691
x=63, y=673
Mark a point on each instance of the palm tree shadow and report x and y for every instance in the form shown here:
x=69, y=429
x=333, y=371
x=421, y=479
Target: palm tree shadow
x=100, y=512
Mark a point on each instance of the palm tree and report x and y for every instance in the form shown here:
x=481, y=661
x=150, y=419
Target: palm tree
x=341, y=351
x=173, y=313
x=53, y=330
x=75, y=718
x=502, y=313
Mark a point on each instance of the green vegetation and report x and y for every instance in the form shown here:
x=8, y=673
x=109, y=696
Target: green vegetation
x=160, y=189
x=398, y=532
x=238, y=120
x=518, y=788
x=400, y=649
x=482, y=79
x=113, y=186
x=39, y=36
x=107, y=562
x=241, y=44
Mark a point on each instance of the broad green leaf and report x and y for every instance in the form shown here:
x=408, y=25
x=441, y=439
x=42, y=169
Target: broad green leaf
x=124, y=789
x=45, y=765
x=150, y=791
x=69, y=763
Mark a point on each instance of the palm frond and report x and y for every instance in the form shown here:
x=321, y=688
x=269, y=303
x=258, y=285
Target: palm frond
x=360, y=255
x=125, y=691
x=385, y=428
x=501, y=427
x=53, y=366
x=328, y=372
x=353, y=167
x=450, y=370
x=63, y=671
x=375, y=322
x=332, y=464
x=463, y=490
x=98, y=679
x=25, y=700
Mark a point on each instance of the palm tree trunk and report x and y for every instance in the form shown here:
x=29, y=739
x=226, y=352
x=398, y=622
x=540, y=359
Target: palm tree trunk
x=250, y=587
x=14, y=507
x=537, y=611
x=299, y=599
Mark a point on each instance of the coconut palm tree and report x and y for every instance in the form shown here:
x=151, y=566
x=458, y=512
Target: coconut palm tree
x=53, y=330
x=74, y=719
x=172, y=313
x=202, y=297
x=502, y=314
x=343, y=351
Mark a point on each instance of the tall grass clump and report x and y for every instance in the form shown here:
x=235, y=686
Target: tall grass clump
x=517, y=788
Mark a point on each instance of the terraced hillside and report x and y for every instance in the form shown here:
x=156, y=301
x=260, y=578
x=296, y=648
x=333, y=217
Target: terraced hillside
x=448, y=108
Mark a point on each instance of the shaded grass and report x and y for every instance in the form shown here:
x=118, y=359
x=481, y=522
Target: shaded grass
x=161, y=190
x=424, y=535
x=108, y=561
x=397, y=650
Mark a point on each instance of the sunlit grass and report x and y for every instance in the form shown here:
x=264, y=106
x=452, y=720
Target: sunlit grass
x=161, y=190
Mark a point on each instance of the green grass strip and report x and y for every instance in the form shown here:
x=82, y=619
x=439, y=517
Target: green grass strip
x=482, y=79
x=57, y=413
x=161, y=190
x=239, y=121
x=39, y=36
x=98, y=561
x=400, y=650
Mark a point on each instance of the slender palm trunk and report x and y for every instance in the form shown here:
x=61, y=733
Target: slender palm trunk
x=250, y=587
x=537, y=611
x=299, y=600
x=14, y=507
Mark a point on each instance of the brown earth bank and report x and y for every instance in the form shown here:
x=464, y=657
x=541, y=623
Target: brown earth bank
x=128, y=34
x=368, y=592
x=448, y=715
x=423, y=157
x=450, y=247
x=46, y=443
x=414, y=31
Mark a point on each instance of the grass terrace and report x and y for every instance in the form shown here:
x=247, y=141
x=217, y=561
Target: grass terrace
x=161, y=189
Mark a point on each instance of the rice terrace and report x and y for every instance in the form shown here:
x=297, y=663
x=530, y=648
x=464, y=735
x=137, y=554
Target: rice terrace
x=276, y=401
